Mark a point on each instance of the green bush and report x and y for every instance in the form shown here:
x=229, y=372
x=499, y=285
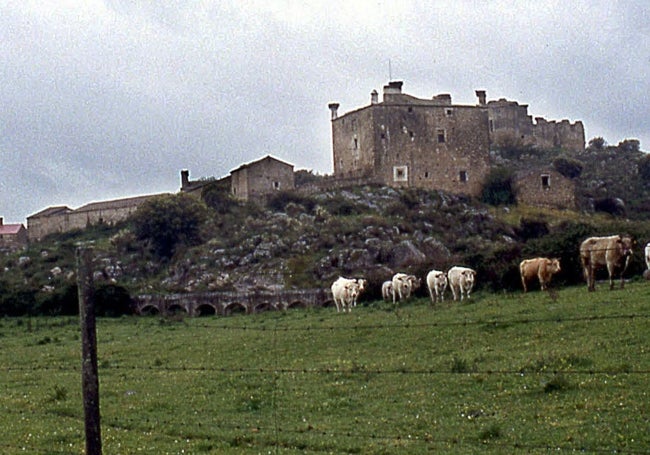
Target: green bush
x=568, y=167
x=170, y=221
x=498, y=187
x=112, y=301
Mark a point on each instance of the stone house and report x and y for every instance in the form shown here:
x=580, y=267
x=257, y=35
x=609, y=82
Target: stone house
x=544, y=187
x=405, y=141
x=62, y=219
x=256, y=180
x=13, y=237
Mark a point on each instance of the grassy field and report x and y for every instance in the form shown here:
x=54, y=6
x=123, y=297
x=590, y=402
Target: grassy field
x=512, y=373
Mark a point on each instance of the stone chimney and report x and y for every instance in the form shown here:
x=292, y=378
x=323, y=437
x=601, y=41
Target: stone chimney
x=185, y=179
x=481, y=97
x=334, y=108
x=374, y=97
x=393, y=88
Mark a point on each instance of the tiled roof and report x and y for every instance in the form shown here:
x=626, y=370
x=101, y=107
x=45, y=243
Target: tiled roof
x=266, y=158
x=51, y=211
x=114, y=204
x=7, y=229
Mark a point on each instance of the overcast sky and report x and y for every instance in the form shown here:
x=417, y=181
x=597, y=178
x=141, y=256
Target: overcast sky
x=111, y=99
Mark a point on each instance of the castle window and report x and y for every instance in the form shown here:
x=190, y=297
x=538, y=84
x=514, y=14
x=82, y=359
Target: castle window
x=462, y=176
x=276, y=185
x=440, y=133
x=546, y=181
x=491, y=125
x=426, y=175
x=356, y=143
x=383, y=136
x=412, y=135
x=410, y=109
x=449, y=112
x=400, y=174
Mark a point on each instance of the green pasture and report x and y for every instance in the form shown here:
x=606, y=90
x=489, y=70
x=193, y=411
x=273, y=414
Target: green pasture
x=563, y=371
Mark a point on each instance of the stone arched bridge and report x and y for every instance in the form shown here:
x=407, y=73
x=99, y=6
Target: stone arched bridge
x=224, y=303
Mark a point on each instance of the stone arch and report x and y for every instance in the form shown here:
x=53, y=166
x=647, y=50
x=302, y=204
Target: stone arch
x=205, y=309
x=264, y=306
x=235, y=308
x=149, y=310
x=176, y=308
x=328, y=303
x=297, y=304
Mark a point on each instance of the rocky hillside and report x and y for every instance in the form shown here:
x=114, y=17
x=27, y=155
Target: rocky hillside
x=299, y=241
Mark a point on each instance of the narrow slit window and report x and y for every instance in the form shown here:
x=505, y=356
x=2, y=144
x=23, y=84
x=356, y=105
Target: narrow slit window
x=546, y=181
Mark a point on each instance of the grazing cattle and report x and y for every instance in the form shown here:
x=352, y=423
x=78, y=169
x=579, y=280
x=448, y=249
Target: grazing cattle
x=437, y=283
x=387, y=290
x=542, y=268
x=345, y=292
x=613, y=252
x=461, y=281
x=647, y=256
x=404, y=285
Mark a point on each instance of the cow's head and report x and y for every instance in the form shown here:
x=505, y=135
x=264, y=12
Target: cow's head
x=554, y=267
x=353, y=290
x=415, y=281
x=470, y=276
x=625, y=244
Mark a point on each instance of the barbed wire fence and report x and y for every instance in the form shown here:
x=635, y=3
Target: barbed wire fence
x=276, y=430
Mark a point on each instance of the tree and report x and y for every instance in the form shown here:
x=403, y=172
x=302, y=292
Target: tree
x=168, y=221
x=498, y=187
x=644, y=169
x=568, y=167
x=629, y=145
x=597, y=143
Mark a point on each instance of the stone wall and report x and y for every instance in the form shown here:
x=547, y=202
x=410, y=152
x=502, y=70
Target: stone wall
x=511, y=126
x=410, y=142
x=545, y=187
x=63, y=219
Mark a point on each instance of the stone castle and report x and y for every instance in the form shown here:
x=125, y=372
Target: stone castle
x=402, y=141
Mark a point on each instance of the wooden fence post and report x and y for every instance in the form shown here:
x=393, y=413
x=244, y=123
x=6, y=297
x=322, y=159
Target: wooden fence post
x=89, y=376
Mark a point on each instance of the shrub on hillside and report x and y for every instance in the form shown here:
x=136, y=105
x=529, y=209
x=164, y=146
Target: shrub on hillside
x=62, y=301
x=169, y=221
x=278, y=201
x=498, y=187
x=531, y=229
x=568, y=167
x=16, y=302
x=112, y=301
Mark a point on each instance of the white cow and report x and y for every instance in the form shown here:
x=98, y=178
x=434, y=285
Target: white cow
x=461, y=281
x=387, y=290
x=437, y=284
x=647, y=256
x=345, y=292
x=403, y=286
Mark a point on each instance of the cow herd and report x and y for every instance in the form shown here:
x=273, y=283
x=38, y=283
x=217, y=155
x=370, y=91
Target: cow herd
x=612, y=252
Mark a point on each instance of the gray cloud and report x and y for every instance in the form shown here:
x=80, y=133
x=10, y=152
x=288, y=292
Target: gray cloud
x=112, y=99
